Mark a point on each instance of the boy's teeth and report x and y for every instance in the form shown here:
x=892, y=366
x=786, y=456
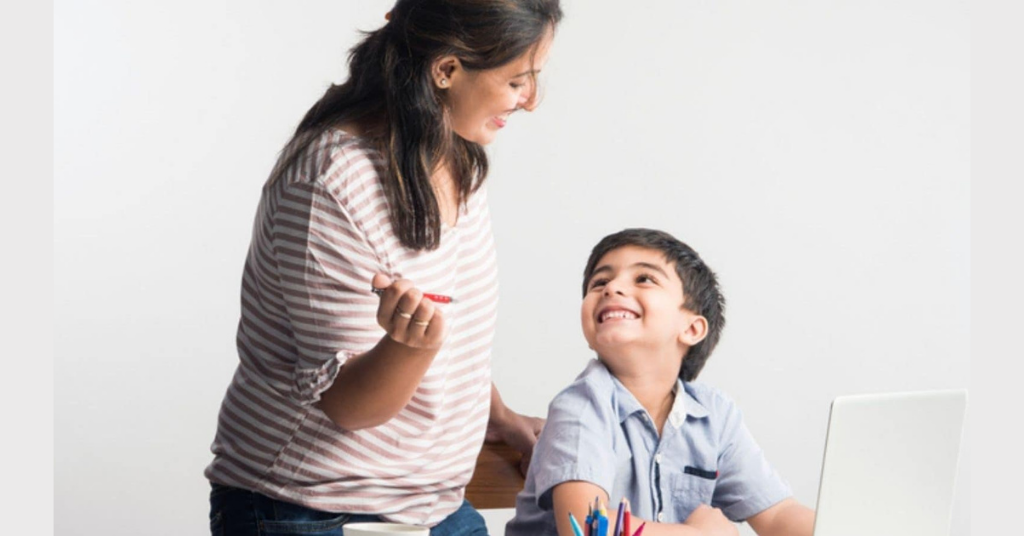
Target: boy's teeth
x=618, y=314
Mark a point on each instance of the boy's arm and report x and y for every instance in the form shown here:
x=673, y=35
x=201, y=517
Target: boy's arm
x=577, y=496
x=785, y=518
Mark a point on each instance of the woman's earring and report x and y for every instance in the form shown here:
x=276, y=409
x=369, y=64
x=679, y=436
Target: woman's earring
x=443, y=82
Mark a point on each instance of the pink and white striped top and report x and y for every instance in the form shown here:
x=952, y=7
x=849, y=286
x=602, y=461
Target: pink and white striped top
x=321, y=232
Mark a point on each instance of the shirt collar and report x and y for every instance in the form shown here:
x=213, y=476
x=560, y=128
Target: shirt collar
x=683, y=406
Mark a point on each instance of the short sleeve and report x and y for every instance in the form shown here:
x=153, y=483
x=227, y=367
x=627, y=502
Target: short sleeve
x=576, y=443
x=747, y=484
x=326, y=264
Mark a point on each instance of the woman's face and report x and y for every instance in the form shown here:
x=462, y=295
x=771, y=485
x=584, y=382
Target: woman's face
x=480, y=102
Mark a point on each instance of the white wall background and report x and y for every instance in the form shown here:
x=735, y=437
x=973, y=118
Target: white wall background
x=816, y=154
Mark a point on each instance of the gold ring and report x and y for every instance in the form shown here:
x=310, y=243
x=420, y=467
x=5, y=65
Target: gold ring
x=404, y=315
x=420, y=323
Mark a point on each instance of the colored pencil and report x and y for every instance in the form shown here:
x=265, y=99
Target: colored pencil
x=625, y=520
x=436, y=298
x=618, y=518
x=575, y=526
x=640, y=530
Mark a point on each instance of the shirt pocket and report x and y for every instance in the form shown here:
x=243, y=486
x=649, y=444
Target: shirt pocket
x=687, y=493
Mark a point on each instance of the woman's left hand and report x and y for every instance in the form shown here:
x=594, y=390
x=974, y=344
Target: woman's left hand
x=519, y=432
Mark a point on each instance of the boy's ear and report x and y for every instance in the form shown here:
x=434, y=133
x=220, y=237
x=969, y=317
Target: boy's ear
x=694, y=329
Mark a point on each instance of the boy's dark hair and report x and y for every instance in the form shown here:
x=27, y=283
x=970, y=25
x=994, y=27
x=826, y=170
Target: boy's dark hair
x=700, y=286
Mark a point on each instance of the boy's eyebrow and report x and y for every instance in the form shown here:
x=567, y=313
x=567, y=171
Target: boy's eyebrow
x=650, y=266
x=608, y=268
x=605, y=268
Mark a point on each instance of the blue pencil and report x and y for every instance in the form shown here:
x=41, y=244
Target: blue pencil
x=575, y=526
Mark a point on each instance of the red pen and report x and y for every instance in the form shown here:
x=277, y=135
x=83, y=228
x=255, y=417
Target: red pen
x=436, y=298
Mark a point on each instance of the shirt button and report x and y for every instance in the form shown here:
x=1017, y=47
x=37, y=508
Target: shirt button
x=657, y=459
x=661, y=516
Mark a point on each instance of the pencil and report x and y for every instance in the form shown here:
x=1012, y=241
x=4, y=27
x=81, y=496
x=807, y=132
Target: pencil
x=625, y=520
x=618, y=517
x=640, y=530
x=590, y=518
x=436, y=298
x=575, y=526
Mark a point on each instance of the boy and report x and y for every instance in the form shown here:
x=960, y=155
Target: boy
x=632, y=425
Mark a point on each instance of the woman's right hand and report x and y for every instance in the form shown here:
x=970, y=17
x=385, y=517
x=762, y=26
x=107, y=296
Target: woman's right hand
x=407, y=316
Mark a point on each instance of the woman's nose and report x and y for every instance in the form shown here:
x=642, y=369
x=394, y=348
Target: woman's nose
x=528, y=101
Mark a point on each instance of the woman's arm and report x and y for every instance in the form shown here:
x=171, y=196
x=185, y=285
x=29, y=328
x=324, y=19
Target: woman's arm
x=518, y=431
x=373, y=387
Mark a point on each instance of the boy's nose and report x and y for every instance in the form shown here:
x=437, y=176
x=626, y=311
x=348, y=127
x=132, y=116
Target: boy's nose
x=612, y=288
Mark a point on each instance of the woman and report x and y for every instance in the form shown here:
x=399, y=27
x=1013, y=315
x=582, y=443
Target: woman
x=349, y=406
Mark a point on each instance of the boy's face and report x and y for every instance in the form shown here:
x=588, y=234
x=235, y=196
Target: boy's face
x=634, y=302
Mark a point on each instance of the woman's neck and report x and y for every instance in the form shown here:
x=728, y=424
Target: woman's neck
x=447, y=193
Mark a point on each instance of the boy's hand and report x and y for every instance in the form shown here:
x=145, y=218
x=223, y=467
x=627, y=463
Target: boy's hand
x=407, y=316
x=711, y=522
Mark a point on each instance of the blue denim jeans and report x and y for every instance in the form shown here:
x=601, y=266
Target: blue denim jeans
x=239, y=512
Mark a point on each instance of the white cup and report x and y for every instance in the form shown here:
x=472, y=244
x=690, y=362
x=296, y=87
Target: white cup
x=379, y=529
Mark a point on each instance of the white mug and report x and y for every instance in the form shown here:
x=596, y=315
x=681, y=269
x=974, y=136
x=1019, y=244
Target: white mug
x=384, y=529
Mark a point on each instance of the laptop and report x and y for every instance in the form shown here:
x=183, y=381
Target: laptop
x=890, y=464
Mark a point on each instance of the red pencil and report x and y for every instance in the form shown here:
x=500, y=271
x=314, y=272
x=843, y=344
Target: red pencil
x=436, y=298
x=640, y=530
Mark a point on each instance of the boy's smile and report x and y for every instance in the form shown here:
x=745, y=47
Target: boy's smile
x=614, y=313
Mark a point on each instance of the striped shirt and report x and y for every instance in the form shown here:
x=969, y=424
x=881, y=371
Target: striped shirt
x=321, y=232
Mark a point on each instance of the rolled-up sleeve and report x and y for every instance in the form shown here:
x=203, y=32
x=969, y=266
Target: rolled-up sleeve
x=576, y=443
x=326, y=265
x=747, y=483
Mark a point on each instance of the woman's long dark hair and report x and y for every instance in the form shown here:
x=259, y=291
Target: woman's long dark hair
x=390, y=88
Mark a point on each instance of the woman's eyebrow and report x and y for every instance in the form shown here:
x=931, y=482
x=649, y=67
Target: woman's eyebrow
x=533, y=71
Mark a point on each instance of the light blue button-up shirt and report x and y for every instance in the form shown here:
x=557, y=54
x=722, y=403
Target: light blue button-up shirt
x=598, y=432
